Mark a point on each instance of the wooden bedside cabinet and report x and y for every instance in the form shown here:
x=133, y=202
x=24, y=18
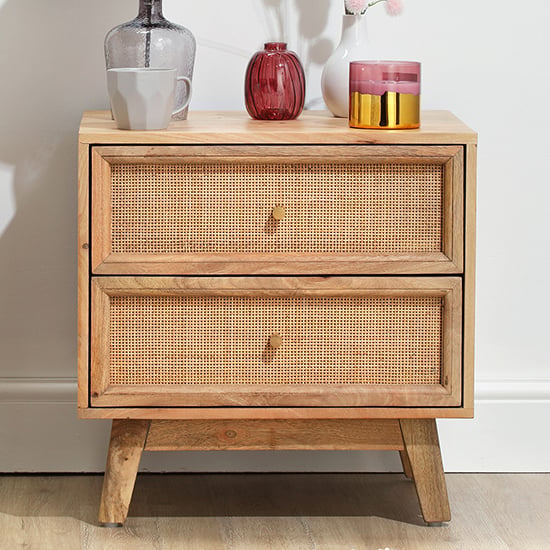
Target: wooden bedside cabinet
x=276, y=285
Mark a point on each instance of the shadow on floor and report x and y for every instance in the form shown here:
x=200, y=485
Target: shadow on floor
x=388, y=496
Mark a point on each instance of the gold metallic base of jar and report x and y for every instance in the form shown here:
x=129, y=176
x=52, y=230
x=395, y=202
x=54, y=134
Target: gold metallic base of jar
x=391, y=110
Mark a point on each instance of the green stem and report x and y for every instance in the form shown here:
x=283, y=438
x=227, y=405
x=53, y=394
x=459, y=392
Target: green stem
x=373, y=3
x=369, y=5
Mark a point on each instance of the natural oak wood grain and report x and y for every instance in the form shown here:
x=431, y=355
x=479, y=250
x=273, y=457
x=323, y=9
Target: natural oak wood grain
x=422, y=448
x=209, y=127
x=223, y=264
x=123, y=262
x=447, y=257
x=278, y=286
x=453, y=200
x=125, y=448
x=83, y=243
x=447, y=392
x=469, y=276
x=253, y=435
x=271, y=413
x=407, y=470
x=99, y=342
x=283, y=395
x=101, y=208
x=231, y=125
x=416, y=440
x=237, y=154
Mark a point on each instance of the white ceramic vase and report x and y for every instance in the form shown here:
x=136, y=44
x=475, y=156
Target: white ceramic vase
x=335, y=76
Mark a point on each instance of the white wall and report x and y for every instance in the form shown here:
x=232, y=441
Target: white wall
x=487, y=61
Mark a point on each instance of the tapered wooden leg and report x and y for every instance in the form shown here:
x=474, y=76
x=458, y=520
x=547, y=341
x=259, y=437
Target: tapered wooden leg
x=422, y=447
x=406, y=464
x=127, y=441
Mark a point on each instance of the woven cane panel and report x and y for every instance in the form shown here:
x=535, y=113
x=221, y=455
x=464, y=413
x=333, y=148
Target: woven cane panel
x=224, y=208
x=225, y=340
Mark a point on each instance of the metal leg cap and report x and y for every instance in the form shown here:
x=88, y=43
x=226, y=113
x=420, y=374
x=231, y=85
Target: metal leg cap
x=111, y=525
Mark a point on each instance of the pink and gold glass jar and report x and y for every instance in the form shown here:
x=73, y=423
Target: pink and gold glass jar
x=384, y=94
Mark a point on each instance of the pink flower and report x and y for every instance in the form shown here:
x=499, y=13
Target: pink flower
x=359, y=7
x=355, y=7
x=394, y=7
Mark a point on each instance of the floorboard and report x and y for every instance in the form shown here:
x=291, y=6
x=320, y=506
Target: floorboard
x=276, y=512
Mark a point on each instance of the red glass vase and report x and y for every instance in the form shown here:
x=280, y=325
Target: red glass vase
x=275, y=84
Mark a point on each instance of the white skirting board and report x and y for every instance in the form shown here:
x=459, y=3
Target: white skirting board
x=40, y=432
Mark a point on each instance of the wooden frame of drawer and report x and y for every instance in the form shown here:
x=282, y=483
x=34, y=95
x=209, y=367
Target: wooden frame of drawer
x=446, y=394
x=449, y=261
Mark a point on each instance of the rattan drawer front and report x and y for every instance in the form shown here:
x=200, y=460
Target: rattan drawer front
x=220, y=210
x=319, y=340
x=173, y=340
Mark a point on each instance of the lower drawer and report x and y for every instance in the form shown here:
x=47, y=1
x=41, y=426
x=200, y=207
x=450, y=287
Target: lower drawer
x=276, y=341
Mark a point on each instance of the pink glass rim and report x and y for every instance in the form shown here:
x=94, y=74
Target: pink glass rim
x=378, y=77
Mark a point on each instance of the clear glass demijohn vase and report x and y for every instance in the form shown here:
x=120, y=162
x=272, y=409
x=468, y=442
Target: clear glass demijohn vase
x=150, y=40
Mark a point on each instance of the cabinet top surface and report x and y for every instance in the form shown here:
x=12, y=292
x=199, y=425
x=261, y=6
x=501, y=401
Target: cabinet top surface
x=236, y=127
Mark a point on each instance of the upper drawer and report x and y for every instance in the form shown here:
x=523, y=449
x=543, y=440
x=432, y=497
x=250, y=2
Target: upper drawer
x=273, y=209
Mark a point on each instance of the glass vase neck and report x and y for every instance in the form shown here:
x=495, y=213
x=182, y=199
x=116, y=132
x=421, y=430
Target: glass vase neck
x=275, y=46
x=150, y=10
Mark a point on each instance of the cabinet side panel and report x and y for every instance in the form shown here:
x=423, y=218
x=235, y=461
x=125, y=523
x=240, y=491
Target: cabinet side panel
x=83, y=270
x=469, y=276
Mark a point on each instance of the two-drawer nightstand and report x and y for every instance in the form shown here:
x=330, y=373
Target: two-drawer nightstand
x=276, y=285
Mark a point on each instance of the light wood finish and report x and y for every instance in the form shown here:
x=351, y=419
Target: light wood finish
x=254, y=435
x=83, y=254
x=453, y=209
x=99, y=338
x=406, y=463
x=469, y=276
x=278, y=213
x=237, y=265
x=277, y=511
x=204, y=132
x=432, y=262
x=130, y=437
x=416, y=440
x=272, y=413
x=210, y=127
x=275, y=341
x=265, y=287
x=317, y=245
x=422, y=449
x=101, y=207
x=125, y=448
x=446, y=391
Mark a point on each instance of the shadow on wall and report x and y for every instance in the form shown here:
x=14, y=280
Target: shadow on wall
x=312, y=21
x=310, y=17
x=51, y=58
x=306, y=24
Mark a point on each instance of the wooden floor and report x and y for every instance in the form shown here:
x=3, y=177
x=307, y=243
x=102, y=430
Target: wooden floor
x=279, y=511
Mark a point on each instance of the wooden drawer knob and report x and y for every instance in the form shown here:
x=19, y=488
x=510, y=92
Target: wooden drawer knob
x=278, y=213
x=275, y=341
